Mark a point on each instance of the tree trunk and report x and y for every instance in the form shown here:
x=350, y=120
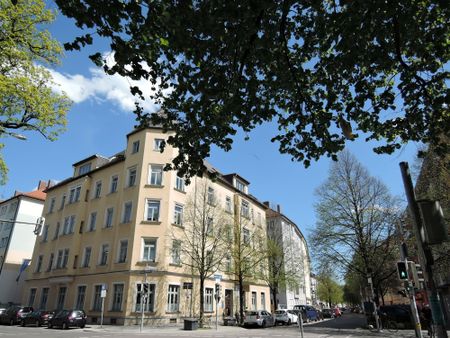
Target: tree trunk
x=202, y=300
x=274, y=295
x=241, y=299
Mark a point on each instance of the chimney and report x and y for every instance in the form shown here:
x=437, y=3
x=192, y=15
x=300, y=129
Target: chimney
x=278, y=209
x=42, y=185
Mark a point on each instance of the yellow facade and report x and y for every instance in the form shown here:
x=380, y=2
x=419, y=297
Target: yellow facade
x=112, y=226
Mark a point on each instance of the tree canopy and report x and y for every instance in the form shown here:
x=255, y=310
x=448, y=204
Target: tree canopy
x=325, y=71
x=27, y=100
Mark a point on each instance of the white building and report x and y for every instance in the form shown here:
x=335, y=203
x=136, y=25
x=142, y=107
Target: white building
x=18, y=216
x=296, y=260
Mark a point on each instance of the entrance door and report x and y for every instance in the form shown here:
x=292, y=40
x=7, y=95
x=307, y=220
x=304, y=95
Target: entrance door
x=228, y=310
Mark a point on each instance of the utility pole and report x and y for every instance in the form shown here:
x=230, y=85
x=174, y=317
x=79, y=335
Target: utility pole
x=425, y=255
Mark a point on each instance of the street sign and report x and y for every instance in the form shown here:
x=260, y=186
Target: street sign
x=218, y=278
x=103, y=294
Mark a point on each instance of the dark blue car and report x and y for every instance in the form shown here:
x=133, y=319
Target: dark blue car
x=311, y=313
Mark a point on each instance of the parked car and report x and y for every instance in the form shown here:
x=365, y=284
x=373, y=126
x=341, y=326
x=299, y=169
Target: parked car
x=68, y=318
x=299, y=313
x=327, y=313
x=401, y=314
x=14, y=314
x=285, y=317
x=260, y=318
x=311, y=312
x=37, y=318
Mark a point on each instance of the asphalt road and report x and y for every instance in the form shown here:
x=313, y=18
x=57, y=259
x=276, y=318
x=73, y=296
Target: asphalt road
x=348, y=326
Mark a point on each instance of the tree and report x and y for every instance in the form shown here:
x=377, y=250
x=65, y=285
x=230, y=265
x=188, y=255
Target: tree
x=356, y=219
x=27, y=100
x=198, y=243
x=286, y=265
x=328, y=289
x=249, y=253
x=322, y=70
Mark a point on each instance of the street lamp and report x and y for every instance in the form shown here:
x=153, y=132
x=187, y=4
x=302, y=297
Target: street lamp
x=144, y=293
x=13, y=134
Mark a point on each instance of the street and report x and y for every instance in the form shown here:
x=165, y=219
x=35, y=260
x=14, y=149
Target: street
x=348, y=326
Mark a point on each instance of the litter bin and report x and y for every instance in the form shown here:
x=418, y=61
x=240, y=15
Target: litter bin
x=190, y=324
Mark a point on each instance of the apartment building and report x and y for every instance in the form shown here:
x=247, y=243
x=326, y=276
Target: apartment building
x=18, y=217
x=117, y=225
x=295, y=259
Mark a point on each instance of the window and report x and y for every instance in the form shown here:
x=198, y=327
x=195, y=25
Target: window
x=152, y=211
x=158, y=144
x=92, y=221
x=208, y=301
x=98, y=189
x=65, y=258
x=173, y=298
x=45, y=233
x=114, y=183
x=109, y=217
x=245, y=211
x=156, y=173
x=32, y=297
x=52, y=204
x=69, y=225
x=55, y=236
x=59, y=259
x=50, y=262
x=63, y=201
x=44, y=298
x=149, y=301
x=263, y=300
x=132, y=176
x=127, y=212
x=179, y=183
x=61, y=298
x=84, y=169
x=176, y=252
x=135, y=147
x=104, y=254
x=74, y=194
x=149, y=249
x=246, y=235
x=97, y=305
x=86, y=257
x=209, y=226
x=228, y=204
x=211, y=196
x=253, y=300
x=228, y=263
x=117, y=297
x=178, y=214
x=123, y=249
x=81, y=295
x=39, y=263
x=240, y=186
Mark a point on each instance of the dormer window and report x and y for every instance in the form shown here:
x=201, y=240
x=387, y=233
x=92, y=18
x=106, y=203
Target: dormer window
x=84, y=169
x=240, y=186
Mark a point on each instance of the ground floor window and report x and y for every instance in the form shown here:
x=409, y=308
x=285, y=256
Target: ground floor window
x=208, y=306
x=81, y=295
x=117, y=297
x=44, y=298
x=97, y=305
x=32, y=297
x=61, y=298
x=173, y=298
x=148, y=300
x=263, y=301
x=253, y=300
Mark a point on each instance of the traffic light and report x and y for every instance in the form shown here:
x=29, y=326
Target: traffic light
x=402, y=269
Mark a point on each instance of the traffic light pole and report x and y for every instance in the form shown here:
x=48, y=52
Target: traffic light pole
x=424, y=254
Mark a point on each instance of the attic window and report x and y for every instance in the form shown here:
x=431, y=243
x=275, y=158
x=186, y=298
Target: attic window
x=240, y=186
x=85, y=168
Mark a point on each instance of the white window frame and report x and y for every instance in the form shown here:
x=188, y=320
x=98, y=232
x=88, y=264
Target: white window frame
x=132, y=176
x=149, y=245
x=98, y=189
x=96, y=298
x=157, y=144
x=135, y=147
x=86, y=258
x=92, y=221
x=173, y=298
x=228, y=204
x=109, y=217
x=52, y=204
x=208, y=302
x=39, y=263
x=121, y=256
x=178, y=214
x=245, y=209
x=155, y=175
x=114, y=184
x=175, y=254
x=104, y=253
x=151, y=217
x=211, y=196
x=179, y=183
x=254, y=296
x=116, y=296
x=149, y=305
x=74, y=194
x=77, y=303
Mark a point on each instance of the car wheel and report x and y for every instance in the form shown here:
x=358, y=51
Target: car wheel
x=289, y=322
x=82, y=326
x=38, y=323
x=64, y=326
x=263, y=325
x=11, y=322
x=22, y=323
x=49, y=325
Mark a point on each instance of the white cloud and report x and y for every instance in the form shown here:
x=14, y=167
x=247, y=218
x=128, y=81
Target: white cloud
x=99, y=86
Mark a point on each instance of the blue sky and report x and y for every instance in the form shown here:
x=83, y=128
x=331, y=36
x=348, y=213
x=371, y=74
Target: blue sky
x=102, y=115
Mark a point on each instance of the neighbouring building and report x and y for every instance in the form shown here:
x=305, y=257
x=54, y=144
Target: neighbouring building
x=18, y=217
x=113, y=226
x=295, y=259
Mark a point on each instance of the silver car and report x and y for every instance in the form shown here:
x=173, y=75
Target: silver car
x=260, y=318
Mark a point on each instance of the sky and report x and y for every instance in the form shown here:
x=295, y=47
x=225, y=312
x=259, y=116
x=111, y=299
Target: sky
x=101, y=116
